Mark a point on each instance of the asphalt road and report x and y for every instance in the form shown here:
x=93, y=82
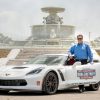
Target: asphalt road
x=72, y=94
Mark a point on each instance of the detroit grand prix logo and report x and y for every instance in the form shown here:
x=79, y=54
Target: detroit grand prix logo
x=86, y=73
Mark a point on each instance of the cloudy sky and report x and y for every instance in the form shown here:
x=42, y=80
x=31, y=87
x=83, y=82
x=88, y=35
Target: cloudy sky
x=17, y=16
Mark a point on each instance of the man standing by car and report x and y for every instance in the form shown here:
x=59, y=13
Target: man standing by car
x=81, y=51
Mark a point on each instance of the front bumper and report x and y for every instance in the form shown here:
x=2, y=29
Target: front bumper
x=27, y=83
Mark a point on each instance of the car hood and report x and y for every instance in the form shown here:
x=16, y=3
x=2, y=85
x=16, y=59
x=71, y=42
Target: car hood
x=15, y=71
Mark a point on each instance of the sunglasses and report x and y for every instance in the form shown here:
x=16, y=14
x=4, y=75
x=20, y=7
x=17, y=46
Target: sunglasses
x=79, y=38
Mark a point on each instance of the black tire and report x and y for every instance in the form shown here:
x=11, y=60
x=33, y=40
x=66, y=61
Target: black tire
x=92, y=87
x=50, y=83
x=4, y=91
x=81, y=88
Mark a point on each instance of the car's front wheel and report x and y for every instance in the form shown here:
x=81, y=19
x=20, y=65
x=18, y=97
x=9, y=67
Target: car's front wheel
x=50, y=83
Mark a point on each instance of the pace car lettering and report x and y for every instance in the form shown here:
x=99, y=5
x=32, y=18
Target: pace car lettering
x=86, y=73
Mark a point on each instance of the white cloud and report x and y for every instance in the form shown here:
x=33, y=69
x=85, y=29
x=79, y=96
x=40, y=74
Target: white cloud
x=13, y=25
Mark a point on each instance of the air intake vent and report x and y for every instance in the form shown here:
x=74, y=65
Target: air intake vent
x=13, y=83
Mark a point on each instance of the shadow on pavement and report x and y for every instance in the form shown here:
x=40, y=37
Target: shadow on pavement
x=67, y=91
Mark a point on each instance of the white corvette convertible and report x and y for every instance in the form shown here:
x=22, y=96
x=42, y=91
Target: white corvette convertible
x=49, y=73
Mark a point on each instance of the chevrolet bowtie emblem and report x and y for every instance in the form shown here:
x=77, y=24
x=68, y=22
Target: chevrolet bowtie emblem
x=7, y=74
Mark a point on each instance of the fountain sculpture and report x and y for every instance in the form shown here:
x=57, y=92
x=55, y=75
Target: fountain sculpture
x=52, y=28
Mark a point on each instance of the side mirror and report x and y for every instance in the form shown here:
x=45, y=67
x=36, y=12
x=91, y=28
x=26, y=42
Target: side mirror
x=76, y=63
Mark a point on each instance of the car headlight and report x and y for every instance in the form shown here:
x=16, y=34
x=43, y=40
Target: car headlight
x=35, y=71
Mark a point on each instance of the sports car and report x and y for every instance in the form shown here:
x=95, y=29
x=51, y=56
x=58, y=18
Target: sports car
x=49, y=73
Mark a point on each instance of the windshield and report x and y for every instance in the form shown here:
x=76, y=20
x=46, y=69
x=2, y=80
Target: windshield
x=47, y=59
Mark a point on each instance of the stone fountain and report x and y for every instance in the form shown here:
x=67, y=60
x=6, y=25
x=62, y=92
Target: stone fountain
x=52, y=31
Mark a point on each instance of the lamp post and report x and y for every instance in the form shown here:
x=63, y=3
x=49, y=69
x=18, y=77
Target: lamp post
x=89, y=37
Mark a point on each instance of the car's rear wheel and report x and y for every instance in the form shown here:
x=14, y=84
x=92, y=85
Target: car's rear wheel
x=93, y=87
x=50, y=83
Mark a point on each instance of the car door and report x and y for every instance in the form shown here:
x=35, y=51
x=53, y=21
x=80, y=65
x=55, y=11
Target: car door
x=77, y=73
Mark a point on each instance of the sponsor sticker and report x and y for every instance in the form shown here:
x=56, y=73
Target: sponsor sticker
x=86, y=73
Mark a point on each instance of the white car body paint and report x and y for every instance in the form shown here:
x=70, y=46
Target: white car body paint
x=74, y=75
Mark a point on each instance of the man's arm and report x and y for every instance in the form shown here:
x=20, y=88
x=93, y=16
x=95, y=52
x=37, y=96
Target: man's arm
x=71, y=50
x=90, y=54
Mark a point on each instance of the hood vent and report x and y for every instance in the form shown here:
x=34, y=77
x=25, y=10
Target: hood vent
x=20, y=67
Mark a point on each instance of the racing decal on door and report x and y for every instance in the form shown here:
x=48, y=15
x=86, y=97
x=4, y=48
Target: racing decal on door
x=86, y=73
